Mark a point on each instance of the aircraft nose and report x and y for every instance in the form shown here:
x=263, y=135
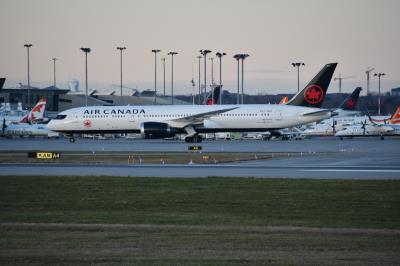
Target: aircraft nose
x=52, y=125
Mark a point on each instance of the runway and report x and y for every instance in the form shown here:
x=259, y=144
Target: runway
x=348, y=159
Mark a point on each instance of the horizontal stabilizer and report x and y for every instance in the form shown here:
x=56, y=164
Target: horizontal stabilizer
x=319, y=112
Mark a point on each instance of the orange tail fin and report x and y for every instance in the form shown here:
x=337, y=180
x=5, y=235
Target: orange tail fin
x=395, y=119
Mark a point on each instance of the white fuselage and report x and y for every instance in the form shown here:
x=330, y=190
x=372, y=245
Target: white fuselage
x=370, y=130
x=130, y=118
x=325, y=127
x=23, y=129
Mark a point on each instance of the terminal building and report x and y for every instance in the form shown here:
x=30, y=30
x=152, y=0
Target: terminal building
x=62, y=99
x=14, y=96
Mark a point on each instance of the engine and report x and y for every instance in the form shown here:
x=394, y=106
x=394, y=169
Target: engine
x=156, y=130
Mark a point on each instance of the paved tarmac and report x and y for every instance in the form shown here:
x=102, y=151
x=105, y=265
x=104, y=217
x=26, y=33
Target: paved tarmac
x=351, y=159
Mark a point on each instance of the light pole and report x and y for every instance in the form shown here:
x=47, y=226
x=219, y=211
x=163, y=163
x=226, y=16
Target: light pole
x=172, y=75
x=243, y=57
x=369, y=70
x=212, y=70
x=86, y=51
x=199, y=57
x=379, y=75
x=220, y=55
x=155, y=74
x=204, y=53
x=54, y=71
x=163, y=59
x=28, y=45
x=212, y=79
x=121, y=49
x=237, y=57
x=298, y=65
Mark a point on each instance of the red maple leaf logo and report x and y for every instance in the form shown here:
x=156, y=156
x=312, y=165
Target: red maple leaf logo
x=87, y=123
x=313, y=94
x=351, y=103
x=210, y=101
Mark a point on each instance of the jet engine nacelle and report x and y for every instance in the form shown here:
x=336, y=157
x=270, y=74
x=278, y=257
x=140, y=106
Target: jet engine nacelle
x=156, y=130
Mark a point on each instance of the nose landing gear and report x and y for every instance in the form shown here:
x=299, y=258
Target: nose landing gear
x=194, y=139
x=71, y=138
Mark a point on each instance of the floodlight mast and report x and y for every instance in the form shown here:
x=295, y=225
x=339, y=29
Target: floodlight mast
x=204, y=53
x=379, y=75
x=155, y=51
x=220, y=55
x=172, y=75
x=298, y=65
x=121, y=49
x=86, y=50
x=28, y=45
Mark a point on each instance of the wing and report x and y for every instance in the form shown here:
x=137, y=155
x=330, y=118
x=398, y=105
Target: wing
x=199, y=118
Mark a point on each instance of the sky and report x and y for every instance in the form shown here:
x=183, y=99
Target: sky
x=355, y=33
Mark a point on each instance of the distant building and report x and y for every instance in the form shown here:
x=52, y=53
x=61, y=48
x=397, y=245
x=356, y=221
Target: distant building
x=395, y=91
x=14, y=96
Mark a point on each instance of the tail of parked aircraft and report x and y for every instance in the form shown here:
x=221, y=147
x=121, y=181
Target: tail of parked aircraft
x=284, y=100
x=350, y=102
x=37, y=113
x=314, y=93
x=2, y=81
x=213, y=97
x=395, y=119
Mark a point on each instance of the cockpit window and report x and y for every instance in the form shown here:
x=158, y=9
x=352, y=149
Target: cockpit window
x=60, y=117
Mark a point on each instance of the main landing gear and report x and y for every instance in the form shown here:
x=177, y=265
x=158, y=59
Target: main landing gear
x=71, y=138
x=194, y=139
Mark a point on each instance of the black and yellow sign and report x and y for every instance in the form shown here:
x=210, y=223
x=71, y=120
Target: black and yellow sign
x=194, y=148
x=44, y=155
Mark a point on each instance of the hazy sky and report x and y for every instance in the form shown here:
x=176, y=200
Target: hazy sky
x=355, y=33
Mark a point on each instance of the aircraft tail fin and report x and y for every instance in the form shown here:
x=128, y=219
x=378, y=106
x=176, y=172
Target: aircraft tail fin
x=2, y=81
x=314, y=93
x=395, y=119
x=284, y=100
x=37, y=112
x=213, y=97
x=350, y=102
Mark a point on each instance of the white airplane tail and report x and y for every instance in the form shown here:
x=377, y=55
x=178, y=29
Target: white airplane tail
x=37, y=112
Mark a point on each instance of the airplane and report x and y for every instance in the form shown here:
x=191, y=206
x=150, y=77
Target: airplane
x=389, y=127
x=346, y=116
x=34, y=116
x=166, y=121
x=24, y=129
x=348, y=106
x=27, y=125
x=364, y=130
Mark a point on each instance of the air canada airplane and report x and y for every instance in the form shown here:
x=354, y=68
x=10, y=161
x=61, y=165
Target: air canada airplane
x=162, y=121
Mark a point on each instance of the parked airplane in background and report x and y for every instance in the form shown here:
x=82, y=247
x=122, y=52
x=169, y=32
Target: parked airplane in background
x=213, y=97
x=166, y=121
x=348, y=106
x=284, y=100
x=26, y=125
x=389, y=127
x=35, y=115
x=364, y=130
x=23, y=129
